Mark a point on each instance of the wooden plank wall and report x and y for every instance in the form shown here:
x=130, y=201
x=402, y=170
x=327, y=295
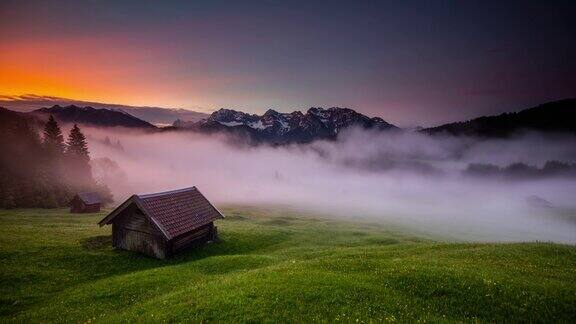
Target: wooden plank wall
x=133, y=231
x=133, y=219
x=198, y=236
x=139, y=242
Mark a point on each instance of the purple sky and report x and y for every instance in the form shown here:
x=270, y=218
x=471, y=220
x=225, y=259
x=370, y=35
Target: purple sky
x=410, y=62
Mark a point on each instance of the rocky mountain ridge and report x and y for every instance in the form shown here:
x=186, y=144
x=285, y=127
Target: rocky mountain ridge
x=283, y=128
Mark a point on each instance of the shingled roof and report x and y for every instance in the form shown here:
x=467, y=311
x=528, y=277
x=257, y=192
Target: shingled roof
x=174, y=212
x=89, y=198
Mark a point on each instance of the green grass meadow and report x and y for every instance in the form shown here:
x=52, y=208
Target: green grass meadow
x=276, y=265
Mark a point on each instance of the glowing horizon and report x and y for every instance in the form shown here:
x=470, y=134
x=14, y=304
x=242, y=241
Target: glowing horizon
x=457, y=61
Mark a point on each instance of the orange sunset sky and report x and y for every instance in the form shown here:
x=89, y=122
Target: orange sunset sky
x=412, y=63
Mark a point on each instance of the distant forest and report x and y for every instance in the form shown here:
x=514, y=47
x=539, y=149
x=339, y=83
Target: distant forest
x=523, y=171
x=43, y=170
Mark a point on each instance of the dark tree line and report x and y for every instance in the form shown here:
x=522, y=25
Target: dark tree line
x=521, y=170
x=42, y=171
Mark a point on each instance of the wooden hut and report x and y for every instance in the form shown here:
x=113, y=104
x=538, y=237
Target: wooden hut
x=85, y=202
x=163, y=224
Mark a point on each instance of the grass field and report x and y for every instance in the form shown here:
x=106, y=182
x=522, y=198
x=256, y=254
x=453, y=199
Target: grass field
x=274, y=265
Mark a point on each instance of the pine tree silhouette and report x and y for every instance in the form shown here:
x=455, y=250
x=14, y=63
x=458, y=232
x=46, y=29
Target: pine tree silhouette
x=76, y=145
x=53, y=140
x=78, y=168
x=43, y=172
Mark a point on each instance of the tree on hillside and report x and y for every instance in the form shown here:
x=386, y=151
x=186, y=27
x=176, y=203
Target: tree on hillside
x=45, y=172
x=78, y=168
x=76, y=145
x=26, y=175
x=56, y=191
x=53, y=139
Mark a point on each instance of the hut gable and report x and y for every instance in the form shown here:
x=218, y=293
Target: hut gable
x=163, y=223
x=134, y=219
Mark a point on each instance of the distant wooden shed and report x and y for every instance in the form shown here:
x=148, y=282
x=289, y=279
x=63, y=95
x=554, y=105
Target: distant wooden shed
x=85, y=202
x=163, y=224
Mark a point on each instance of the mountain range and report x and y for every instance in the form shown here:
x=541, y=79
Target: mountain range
x=318, y=123
x=282, y=128
x=154, y=115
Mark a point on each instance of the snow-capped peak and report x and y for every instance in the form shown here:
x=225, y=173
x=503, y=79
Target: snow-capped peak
x=277, y=127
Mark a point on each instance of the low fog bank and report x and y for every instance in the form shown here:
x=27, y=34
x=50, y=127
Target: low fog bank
x=407, y=178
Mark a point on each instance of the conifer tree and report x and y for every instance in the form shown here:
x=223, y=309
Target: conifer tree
x=77, y=146
x=78, y=169
x=42, y=172
x=53, y=139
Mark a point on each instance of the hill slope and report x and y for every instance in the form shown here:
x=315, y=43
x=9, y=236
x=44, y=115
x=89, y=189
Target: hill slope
x=276, y=266
x=8, y=116
x=153, y=115
x=557, y=116
x=93, y=116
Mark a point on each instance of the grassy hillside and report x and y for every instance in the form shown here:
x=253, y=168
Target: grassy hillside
x=276, y=266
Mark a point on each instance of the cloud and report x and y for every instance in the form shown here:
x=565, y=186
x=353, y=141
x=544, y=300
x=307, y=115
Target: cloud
x=406, y=179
